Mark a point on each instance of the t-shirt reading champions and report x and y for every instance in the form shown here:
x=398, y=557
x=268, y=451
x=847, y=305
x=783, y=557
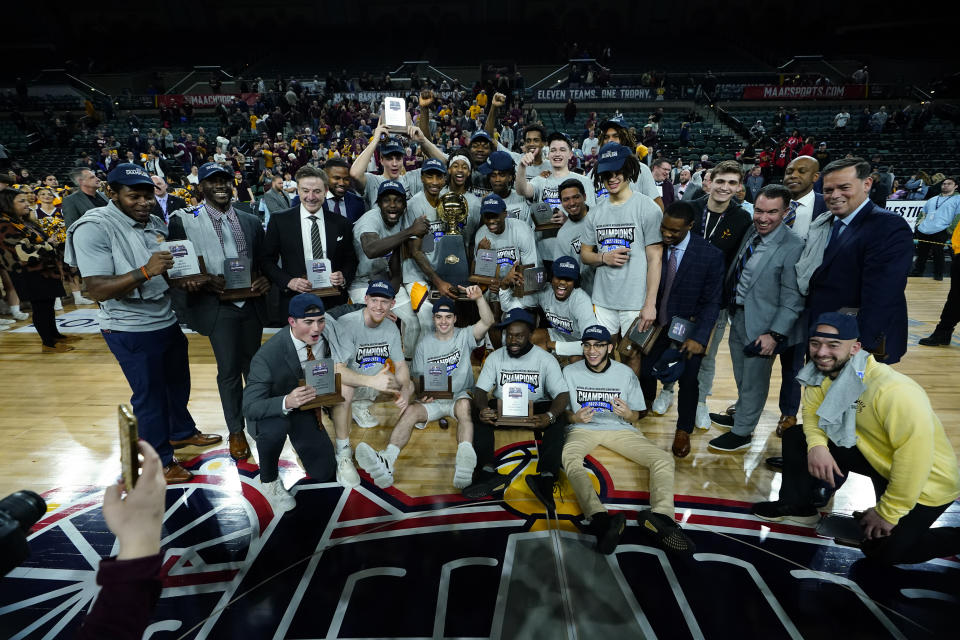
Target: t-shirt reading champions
x=598, y=391
x=366, y=348
x=537, y=368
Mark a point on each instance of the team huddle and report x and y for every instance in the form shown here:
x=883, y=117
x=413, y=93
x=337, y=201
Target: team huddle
x=631, y=296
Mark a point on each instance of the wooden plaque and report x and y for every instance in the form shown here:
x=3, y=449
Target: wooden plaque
x=326, y=400
x=528, y=421
x=440, y=395
x=203, y=276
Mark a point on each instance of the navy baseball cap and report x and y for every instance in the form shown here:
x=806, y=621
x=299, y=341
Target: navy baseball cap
x=612, y=156
x=129, y=174
x=391, y=186
x=210, y=169
x=389, y=147
x=596, y=332
x=670, y=366
x=434, y=165
x=443, y=305
x=497, y=161
x=381, y=289
x=518, y=314
x=491, y=204
x=303, y=301
x=846, y=326
x=567, y=268
x=481, y=135
x=608, y=124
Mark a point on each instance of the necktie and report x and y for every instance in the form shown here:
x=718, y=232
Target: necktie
x=310, y=353
x=339, y=207
x=835, y=231
x=315, y=240
x=792, y=214
x=747, y=254
x=662, y=318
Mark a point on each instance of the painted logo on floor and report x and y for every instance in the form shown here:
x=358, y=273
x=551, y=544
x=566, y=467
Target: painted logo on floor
x=373, y=563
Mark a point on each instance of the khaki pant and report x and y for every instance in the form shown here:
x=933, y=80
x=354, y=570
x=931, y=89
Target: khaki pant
x=632, y=445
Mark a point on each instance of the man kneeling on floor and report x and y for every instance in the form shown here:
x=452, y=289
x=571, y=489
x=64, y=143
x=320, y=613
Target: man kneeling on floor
x=603, y=394
x=519, y=360
x=860, y=415
x=449, y=348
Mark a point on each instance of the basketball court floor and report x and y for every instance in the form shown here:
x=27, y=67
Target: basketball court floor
x=418, y=560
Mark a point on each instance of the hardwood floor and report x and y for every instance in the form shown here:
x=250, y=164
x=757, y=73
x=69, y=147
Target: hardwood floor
x=59, y=428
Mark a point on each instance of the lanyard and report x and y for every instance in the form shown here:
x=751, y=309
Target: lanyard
x=706, y=217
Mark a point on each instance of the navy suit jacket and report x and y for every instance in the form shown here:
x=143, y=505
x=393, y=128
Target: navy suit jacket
x=697, y=287
x=354, y=203
x=819, y=205
x=866, y=268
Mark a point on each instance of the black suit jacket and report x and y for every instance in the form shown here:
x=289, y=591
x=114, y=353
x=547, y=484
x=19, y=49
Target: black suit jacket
x=200, y=310
x=696, y=289
x=173, y=203
x=819, y=205
x=668, y=193
x=354, y=204
x=283, y=254
x=866, y=268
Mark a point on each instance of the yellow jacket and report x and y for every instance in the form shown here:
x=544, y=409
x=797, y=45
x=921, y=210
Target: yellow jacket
x=900, y=436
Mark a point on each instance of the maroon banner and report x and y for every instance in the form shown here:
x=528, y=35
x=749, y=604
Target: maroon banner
x=201, y=100
x=774, y=92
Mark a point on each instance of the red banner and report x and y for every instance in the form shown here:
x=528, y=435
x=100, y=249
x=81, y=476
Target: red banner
x=201, y=100
x=828, y=92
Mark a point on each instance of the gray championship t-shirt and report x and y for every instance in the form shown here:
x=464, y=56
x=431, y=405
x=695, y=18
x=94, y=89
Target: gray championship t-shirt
x=537, y=368
x=372, y=222
x=597, y=391
x=410, y=181
x=547, y=190
x=366, y=349
x=634, y=224
x=94, y=256
x=568, y=244
x=452, y=355
x=568, y=318
x=516, y=243
x=518, y=207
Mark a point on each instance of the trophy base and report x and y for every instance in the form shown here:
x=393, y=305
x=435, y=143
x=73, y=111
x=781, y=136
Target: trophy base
x=435, y=295
x=325, y=292
x=484, y=280
x=528, y=421
x=229, y=295
x=546, y=226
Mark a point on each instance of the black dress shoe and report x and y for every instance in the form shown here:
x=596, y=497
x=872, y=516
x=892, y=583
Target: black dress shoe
x=722, y=420
x=936, y=339
x=775, y=462
x=542, y=487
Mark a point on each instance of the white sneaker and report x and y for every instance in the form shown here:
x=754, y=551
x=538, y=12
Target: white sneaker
x=703, y=416
x=58, y=304
x=421, y=425
x=466, y=463
x=7, y=321
x=663, y=402
x=376, y=464
x=82, y=300
x=278, y=496
x=347, y=474
x=362, y=415
x=19, y=316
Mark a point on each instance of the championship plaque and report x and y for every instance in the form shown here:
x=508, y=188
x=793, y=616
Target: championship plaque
x=186, y=262
x=237, y=279
x=395, y=115
x=636, y=341
x=542, y=214
x=514, y=406
x=318, y=273
x=485, y=267
x=533, y=280
x=436, y=383
x=449, y=252
x=320, y=374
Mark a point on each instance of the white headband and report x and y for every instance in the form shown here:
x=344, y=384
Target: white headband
x=457, y=158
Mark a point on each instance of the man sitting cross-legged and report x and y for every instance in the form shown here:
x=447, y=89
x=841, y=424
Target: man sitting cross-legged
x=602, y=396
x=448, y=347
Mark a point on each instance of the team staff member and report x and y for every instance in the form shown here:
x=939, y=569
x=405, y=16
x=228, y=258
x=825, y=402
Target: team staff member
x=448, y=348
x=235, y=329
x=519, y=360
x=273, y=397
x=938, y=215
x=943, y=333
x=622, y=240
x=860, y=415
x=605, y=402
x=115, y=248
x=341, y=201
x=567, y=308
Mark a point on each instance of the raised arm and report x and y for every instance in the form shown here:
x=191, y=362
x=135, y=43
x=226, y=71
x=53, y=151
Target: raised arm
x=358, y=170
x=496, y=103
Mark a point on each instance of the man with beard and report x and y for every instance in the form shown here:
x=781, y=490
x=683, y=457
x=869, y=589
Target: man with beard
x=512, y=240
x=342, y=200
x=574, y=202
x=545, y=190
x=614, y=131
x=567, y=308
x=860, y=415
x=448, y=348
x=500, y=170
x=391, y=157
x=377, y=239
x=605, y=402
x=116, y=250
x=519, y=360
x=234, y=328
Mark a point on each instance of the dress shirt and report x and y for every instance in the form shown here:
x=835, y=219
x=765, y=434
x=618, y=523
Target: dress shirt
x=801, y=225
x=301, y=348
x=681, y=249
x=305, y=226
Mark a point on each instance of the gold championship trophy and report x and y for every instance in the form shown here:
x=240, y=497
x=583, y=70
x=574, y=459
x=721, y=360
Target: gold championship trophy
x=449, y=252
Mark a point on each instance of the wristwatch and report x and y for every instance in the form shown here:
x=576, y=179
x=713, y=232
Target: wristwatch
x=779, y=337
x=552, y=417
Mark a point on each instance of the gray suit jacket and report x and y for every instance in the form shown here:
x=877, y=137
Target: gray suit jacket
x=773, y=301
x=75, y=205
x=276, y=201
